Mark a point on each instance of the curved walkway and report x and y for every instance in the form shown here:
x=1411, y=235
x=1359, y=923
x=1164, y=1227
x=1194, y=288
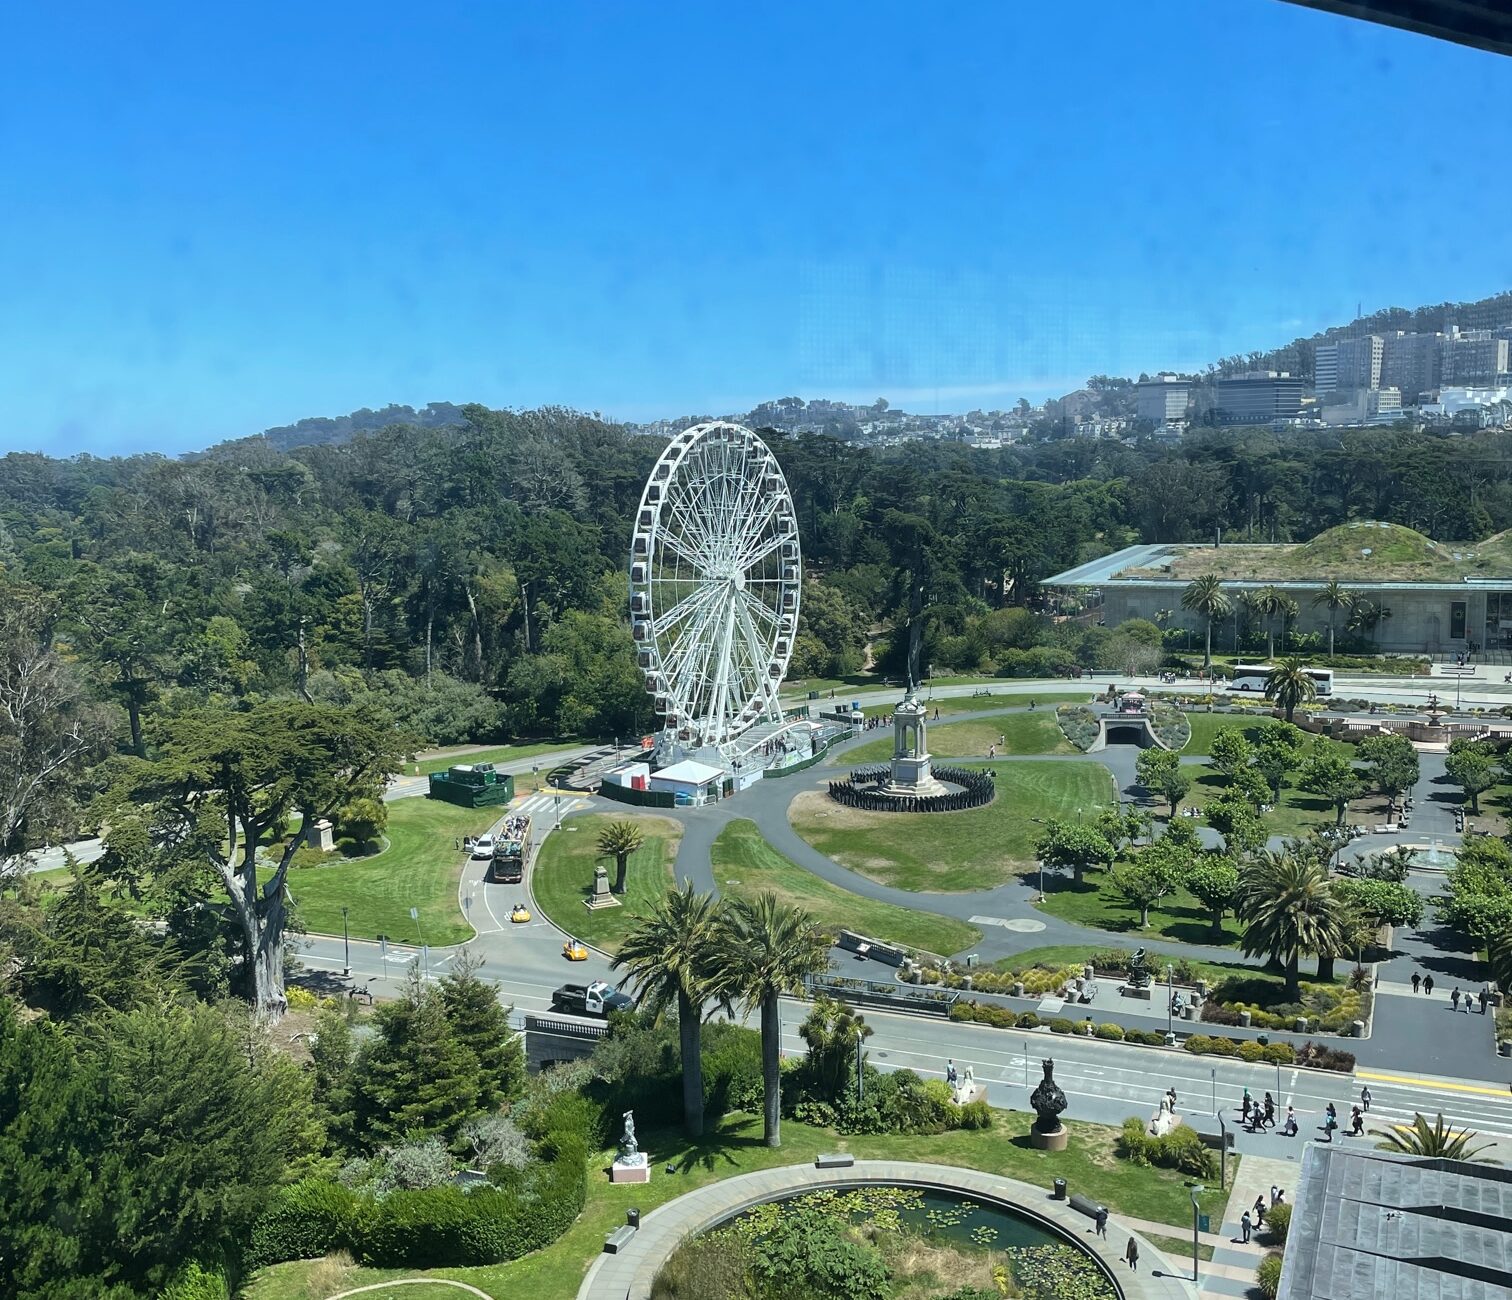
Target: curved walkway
x=629, y=1274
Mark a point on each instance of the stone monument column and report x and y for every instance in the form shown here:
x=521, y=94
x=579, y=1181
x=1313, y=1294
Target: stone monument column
x=912, y=773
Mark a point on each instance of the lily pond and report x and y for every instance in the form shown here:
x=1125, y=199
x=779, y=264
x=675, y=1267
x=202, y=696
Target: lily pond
x=881, y=1243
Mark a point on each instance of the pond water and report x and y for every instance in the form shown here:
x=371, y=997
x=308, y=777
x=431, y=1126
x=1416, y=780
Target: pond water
x=941, y=1217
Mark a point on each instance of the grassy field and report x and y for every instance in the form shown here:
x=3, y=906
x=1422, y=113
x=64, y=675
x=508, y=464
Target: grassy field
x=1089, y=1165
x=420, y=869
x=746, y=865
x=960, y=851
x=500, y=754
x=1025, y=733
x=1297, y=813
x=1179, y=917
x=983, y=703
x=563, y=875
x=1206, y=726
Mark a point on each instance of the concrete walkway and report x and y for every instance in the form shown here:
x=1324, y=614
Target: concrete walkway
x=629, y=1274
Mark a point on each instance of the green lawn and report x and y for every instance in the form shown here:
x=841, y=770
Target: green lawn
x=563, y=875
x=1180, y=917
x=1076, y=954
x=1089, y=1166
x=746, y=865
x=1297, y=813
x=1025, y=733
x=983, y=703
x=500, y=754
x=960, y=851
x=420, y=869
x=1206, y=726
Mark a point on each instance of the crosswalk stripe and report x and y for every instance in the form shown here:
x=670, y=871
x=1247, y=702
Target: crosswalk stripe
x=1433, y=1083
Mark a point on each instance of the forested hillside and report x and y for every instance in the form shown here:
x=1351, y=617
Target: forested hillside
x=471, y=578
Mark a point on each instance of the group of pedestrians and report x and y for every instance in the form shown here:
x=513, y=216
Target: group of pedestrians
x=1456, y=998
x=1253, y=1218
x=1259, y=1116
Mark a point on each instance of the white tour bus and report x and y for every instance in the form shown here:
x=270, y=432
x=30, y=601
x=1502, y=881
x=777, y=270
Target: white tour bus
x=1255, y=677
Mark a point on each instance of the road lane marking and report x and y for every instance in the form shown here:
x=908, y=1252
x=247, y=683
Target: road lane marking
x=1431, y=1085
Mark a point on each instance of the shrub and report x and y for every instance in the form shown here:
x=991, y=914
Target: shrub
x=976, y=1114
x=299, y=999
x=1280, y=1053
x=963, y=1011
x=307, y=1220
x=1268, y=1275
x=1278, y=1221
x=1181, y=1148
x=732, y=1068
x=1027, y=1020
x=1252, y=1050
x=1060, y=1025
x=1148, y=1037
x=195, y=1282
x=1325, y=1058
x=1114, y=1033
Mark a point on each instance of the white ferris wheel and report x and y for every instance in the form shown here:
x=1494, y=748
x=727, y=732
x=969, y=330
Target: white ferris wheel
x=715, y=577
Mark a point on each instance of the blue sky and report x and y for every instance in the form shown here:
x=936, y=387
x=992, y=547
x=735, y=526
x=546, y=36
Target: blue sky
x=218, y=218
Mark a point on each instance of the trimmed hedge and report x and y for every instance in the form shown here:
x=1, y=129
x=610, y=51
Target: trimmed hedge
x=1278, y=1222
x=309, y=1219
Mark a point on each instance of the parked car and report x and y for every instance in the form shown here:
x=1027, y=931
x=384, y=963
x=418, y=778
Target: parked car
x=483, y=847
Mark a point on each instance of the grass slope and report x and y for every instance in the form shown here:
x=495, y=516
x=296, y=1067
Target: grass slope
x=745, y=865
x=499, y=754
x=563, y=875
x=420, y=869
x=1024, y=733
x=1089, y=1165
x=982, y=703
x=955, y=852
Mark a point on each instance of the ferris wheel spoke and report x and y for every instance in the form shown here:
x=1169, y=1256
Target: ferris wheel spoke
x=678, y=546
x=683, y=610
x=761, y=548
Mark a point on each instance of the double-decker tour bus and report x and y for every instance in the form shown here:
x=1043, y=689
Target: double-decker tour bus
x=511, y=851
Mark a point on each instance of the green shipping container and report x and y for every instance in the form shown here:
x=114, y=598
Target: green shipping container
x=472, y=785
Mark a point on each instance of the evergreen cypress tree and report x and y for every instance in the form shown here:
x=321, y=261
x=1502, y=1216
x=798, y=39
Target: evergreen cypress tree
x=418, y=1078
x=480, y=1021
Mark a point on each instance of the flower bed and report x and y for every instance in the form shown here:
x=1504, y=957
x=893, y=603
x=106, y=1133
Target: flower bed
x=1315, y=1055
x=1079, y=725
x=1170, y=725
x=1328, y=1008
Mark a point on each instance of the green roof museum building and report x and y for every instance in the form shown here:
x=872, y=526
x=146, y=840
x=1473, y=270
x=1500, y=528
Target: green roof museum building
x=1435, y=598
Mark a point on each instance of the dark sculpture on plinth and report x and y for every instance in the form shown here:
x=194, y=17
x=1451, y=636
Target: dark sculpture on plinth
x=1047, y=1132
x=1139, y=973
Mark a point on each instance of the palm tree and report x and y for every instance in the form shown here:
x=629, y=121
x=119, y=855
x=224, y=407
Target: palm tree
x=768, y=950
x=1252, y=604
x=672, y=960
x=1333, y=598
x=1365, y=615
x=1437, y=1142
x=619, y=840
x=1268, y=602
x=1288, y=909
x=1289, y=685
x=1287, y=608
x=1205, y=596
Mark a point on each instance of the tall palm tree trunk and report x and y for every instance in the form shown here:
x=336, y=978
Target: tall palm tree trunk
x=1207, y=654
x=771, y=1069
x=690, y=1044
x=1325, y=968
x=1293, y=988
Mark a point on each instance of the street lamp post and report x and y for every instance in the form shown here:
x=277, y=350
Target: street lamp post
x=859, y=1084
x=1222, y=1151
x=346, y=943
x=1195, y=1217
x=1170, y=993
x=556, y=799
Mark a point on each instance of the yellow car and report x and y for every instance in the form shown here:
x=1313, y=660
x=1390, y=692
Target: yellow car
x=520, y=914
x=574, y=951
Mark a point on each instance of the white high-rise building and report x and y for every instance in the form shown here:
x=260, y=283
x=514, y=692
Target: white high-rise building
x=1347, y=364
x=1162, y=400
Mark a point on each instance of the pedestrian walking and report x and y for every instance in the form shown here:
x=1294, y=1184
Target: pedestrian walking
x=1454, y=999
x=1171, y=1097
x=991, y=751
x=1244, y=1105
x=1281, y=1197
x=1259, y=1211
x=950, y=1073
x=1485, y=998
x=1270, y=1111
x=1365, y=1097
x=1275, y=1192
x=1428, y=986
x=1245, y=1227
x=1131, y=1254
x=1357, y=1122
x=1102, y=1221
x=1416, y=981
